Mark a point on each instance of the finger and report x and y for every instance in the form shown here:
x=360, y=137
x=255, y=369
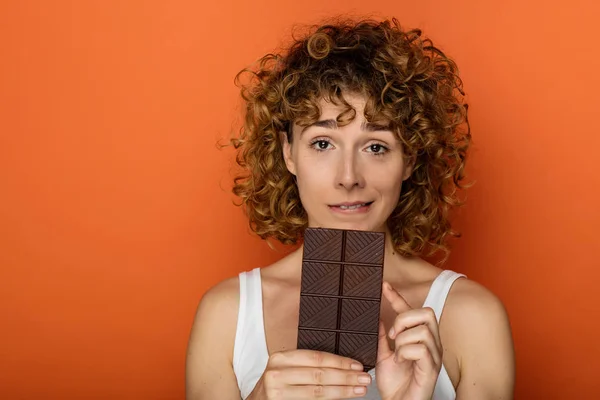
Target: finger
x=323, y=392
x=396, y=300
x=384, y=350
x=416, y=335
x=415, y=317
x=312, y=358
x=417, y=353
x=322, y=376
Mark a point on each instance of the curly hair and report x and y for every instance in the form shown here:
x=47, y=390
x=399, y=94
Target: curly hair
x=409, y=83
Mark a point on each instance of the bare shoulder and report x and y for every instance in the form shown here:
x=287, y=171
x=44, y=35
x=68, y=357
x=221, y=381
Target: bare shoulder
x=209, y=368
x=224, y=297
x=470, y=301
x=218, y=310
x=482, y=338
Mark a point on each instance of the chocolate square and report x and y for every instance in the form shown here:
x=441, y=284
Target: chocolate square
x=364, y=247
x=323, y=245
x=359, y=347
x=359, y=316
x=318, y=312
x=362, y=281
x=320, y=278
x=316, y=340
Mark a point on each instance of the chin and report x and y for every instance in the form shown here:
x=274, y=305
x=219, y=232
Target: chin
x=351, y=225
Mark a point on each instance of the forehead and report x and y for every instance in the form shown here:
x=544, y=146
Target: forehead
x=350, y=107
x=332, y=108
x=333, y=112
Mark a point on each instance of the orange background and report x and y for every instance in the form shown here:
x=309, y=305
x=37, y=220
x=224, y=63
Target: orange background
x=114, y=204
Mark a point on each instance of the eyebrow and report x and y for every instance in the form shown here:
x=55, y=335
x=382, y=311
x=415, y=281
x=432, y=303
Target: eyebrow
x=332, y=124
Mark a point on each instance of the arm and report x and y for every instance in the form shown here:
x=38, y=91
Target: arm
x=484, y=343
x=209, y=363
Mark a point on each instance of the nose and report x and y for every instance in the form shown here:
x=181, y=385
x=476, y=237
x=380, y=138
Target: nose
x=349, y=172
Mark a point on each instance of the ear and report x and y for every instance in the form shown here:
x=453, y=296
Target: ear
x=409, y=165
x=287, y=153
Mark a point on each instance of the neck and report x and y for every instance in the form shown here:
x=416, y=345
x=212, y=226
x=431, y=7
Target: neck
x=395, y=266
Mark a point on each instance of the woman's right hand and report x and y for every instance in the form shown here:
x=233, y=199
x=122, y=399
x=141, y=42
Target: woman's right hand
x=309, y=374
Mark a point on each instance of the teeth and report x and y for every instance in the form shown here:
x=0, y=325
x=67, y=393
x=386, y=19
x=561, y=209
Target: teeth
x=352, y=207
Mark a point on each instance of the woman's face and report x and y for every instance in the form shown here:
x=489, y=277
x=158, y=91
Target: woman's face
x=348, y=177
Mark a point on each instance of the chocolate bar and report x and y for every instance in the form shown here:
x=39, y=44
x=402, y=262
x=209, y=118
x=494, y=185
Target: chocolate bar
x=342, y=272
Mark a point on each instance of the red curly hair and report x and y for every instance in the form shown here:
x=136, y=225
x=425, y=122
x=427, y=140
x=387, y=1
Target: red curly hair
x=409, y=83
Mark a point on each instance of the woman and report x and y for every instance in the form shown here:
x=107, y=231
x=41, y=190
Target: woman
x=358, y=126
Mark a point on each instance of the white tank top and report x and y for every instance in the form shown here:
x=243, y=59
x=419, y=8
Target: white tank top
x=250, y=354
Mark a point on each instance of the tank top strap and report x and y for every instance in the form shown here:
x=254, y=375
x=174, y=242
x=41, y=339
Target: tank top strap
x=250, y=353
x=238, y=343
x=438, y=293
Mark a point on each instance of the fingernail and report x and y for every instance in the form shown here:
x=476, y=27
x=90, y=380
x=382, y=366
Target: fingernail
x=364, y=379
x=360, y=389
x=392, y=331
x=356, y=366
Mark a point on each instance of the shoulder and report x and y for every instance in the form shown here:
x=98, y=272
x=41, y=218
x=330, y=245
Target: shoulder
x=482, y=338
x=470, y=304
x=209, y=359
x=216, y=314
x=224, y=296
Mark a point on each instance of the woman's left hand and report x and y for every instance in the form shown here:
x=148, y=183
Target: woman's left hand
x=411, y=369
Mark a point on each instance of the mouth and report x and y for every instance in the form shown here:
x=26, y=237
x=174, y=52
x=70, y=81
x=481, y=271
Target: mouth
x=351, y=208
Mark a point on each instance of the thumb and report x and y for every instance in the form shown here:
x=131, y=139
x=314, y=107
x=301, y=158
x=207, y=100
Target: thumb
x=383, y=347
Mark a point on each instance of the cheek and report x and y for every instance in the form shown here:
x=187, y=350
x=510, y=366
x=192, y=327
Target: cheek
x=315, y=171
x=314, y=182
x=311, y=181
x=391, y=187
x=389, y=184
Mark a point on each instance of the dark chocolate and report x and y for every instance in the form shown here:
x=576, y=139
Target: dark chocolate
x=342, y=272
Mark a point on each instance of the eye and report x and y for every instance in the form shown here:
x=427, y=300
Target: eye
x=320, y=144
x=377, y=149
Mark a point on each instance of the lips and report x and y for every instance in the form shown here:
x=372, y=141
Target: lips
x=356, y=206
x=353, y=206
